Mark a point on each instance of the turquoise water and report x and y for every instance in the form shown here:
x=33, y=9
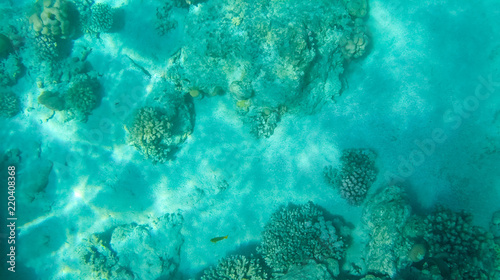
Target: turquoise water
x=256, y=139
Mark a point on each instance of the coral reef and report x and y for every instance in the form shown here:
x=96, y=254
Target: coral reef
x=158, y=129
x=354, y=44
x=84, y=11
x=264, y=122
x=46, y=48
x=96, y=256
x=101, y=18
x=133, y=251
x=50, y=18
x=357, y=8
x=10, y=70
x=150, y=134
x=236, y=268
x=66, y=71
x=165, y=19
x=310, y=271
x=295, y=235
x=385, y=215
x=496, y=249
x=356, y=174
x=9, y=103
x=241, y=90
x=452, y=238
x=158, y=245
x=164, y=22
x=274, y=53
x=82, y=97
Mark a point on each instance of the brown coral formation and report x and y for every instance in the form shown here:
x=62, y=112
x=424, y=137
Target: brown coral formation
x=357, y=8
x=354, y=44
x=50, y=18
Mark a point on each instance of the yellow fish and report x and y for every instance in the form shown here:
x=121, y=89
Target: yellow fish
x=217, y=239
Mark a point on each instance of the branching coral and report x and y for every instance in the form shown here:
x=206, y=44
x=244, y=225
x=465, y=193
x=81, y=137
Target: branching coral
x=295, y=235
x=9, y=104
x=356, y=174
x=101, y=18
x=236, y=268
x=467, y=248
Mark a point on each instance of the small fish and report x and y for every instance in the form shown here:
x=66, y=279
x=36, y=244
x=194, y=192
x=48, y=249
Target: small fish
x=217, y=239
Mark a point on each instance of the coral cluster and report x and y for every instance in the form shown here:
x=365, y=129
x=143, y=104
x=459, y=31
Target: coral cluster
x=66, y=71
x=356, y=174
x=385, y=216
x=114, y=255
x=164, y=22
x=451, y=232
x=94, y=17
x=101, y=18
x=295, y=235
x=46, y=48
x=158, y=129
x=357, y=8
x=354, y=44
x=452, y=238
x=275, y=53
x=158, y=247
x=496, y=249
x=264, y=122
x=165, y=19
x=82, y=97
x=441, y=245
x=98, y=258
x=9, y=103
x=50, y=18
x=10, y=70
x=236, y=268
x=151, y=132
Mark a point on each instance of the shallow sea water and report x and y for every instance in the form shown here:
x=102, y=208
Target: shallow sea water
x=252, y=139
